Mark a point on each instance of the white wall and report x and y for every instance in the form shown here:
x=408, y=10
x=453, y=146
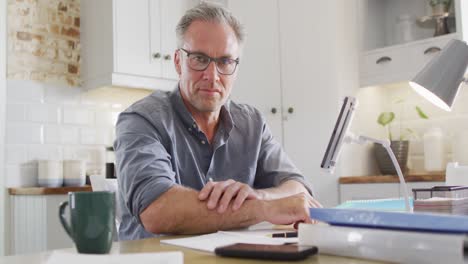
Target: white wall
x=374, y=100
x=44, y=121
x=2, y=122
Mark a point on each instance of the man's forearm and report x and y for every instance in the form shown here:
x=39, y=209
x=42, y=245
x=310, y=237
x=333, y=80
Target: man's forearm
x=287, y=188
x=179, y=211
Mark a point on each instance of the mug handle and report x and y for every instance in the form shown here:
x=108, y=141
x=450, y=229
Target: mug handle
x=64, y=223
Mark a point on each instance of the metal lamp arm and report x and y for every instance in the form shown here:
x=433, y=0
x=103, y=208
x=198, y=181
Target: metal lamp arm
x=351, y=138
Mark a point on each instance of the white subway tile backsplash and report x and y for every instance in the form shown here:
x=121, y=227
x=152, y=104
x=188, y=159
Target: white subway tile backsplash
x=18, y=133
x=52, y=134
x=16, y=112
x=104, y=118
x=62, y=94
x=90, y=154
x=84, y=154
x=70, y=152
x=15, y=154
x=44, y=113
x=97, y=155
x=42, y=152
x=44, y=121
x=61, y=134
x=24, y=91
x=37, y=152
x=77, y=116
x=89, y=136
x=69, y=135
x=94, y=136
x=115, y=117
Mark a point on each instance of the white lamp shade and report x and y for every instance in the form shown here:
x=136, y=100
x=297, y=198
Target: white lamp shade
x=440, y=79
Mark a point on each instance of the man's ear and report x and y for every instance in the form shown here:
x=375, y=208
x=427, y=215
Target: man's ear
x=177, y=62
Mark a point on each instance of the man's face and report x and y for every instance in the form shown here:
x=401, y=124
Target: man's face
x=207, y=90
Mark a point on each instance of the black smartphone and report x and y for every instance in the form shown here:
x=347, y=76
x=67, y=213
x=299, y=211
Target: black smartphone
x=272, y=252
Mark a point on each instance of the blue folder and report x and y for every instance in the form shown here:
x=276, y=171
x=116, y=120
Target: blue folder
x=393, y=204
x=392, y=220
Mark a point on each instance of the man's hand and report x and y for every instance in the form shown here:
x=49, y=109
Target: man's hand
x=291, y=209
x=221, y=194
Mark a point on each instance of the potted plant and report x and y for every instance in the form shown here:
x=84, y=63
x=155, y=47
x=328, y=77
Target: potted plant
x=440, y=7
x=399, y=146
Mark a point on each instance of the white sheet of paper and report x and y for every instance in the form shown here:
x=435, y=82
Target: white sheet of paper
x=175, y=257
x=258, y=234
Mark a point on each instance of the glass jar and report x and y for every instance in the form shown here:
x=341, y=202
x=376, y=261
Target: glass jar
x=110, y=163
x=404, y=29
x=434, y=150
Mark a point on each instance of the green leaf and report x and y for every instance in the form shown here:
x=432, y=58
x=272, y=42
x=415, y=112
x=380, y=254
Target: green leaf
x=385, y=118
x=421, y=113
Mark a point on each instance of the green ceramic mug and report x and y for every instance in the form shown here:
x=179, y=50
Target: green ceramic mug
x=92, y=216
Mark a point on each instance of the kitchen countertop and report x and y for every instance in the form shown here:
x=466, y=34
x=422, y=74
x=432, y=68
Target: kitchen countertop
x=411, y=177
x=47, y=191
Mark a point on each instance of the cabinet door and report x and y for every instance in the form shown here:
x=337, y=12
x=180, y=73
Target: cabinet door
x=132, y=42
x=368, y=191
x=171, y=12
x=318, y=65
x=258, y=75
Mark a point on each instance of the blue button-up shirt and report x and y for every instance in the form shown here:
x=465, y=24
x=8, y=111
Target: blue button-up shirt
x=158, y=145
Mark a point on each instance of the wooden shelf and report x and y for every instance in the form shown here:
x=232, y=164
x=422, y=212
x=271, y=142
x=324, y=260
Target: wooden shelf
x=413, y=177
x=47, y=191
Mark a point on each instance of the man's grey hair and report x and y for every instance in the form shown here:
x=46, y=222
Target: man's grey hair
x=210, y=13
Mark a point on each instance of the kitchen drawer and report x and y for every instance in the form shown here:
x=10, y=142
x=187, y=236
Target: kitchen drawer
x=422, y=53
x=384, y=66
x=399, y=63
x=367, y=191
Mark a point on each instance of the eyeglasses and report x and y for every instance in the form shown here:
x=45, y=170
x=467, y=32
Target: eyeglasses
x=198, y=61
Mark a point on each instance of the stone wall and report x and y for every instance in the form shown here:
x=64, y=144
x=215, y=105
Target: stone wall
x=44, y=41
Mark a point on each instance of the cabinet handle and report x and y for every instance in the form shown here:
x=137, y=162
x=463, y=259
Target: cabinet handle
x=431, y=50
x=290, y=110
x=156, y=55
x=383, y=60
x=274, y=110
x=167, y=57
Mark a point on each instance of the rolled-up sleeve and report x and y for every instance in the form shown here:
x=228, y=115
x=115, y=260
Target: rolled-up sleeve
x=274, y=166
x=143, y=165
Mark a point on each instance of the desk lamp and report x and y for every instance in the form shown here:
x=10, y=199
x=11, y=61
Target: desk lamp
x=439, y=81
x=341, y=135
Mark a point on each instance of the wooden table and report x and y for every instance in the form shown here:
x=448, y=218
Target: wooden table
x=190, y=256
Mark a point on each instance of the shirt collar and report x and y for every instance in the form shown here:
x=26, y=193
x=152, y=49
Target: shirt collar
x=187, y=118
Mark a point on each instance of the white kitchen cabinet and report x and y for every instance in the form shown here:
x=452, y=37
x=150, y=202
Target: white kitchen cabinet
x=386, y=57
x=130, y=43
x=259, y=81
x=295, y=69
x=35, y=224
x=366, y=191
x=399, y=63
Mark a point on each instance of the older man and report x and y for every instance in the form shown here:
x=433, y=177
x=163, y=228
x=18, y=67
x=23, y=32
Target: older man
x=193, y=161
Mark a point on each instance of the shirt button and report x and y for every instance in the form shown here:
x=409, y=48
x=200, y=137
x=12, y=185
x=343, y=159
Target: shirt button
x=203, y=142
x=190, y=129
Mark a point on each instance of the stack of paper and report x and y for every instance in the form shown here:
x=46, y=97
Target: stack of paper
x=388, y=236
x=385, y=245
x=392, y=204
x=257, y=234
x=458, y=206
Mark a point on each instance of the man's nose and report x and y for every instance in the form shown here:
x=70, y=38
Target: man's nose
x=211, y=72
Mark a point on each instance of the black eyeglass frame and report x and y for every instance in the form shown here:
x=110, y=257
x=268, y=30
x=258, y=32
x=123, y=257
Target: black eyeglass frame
x=210, y=59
